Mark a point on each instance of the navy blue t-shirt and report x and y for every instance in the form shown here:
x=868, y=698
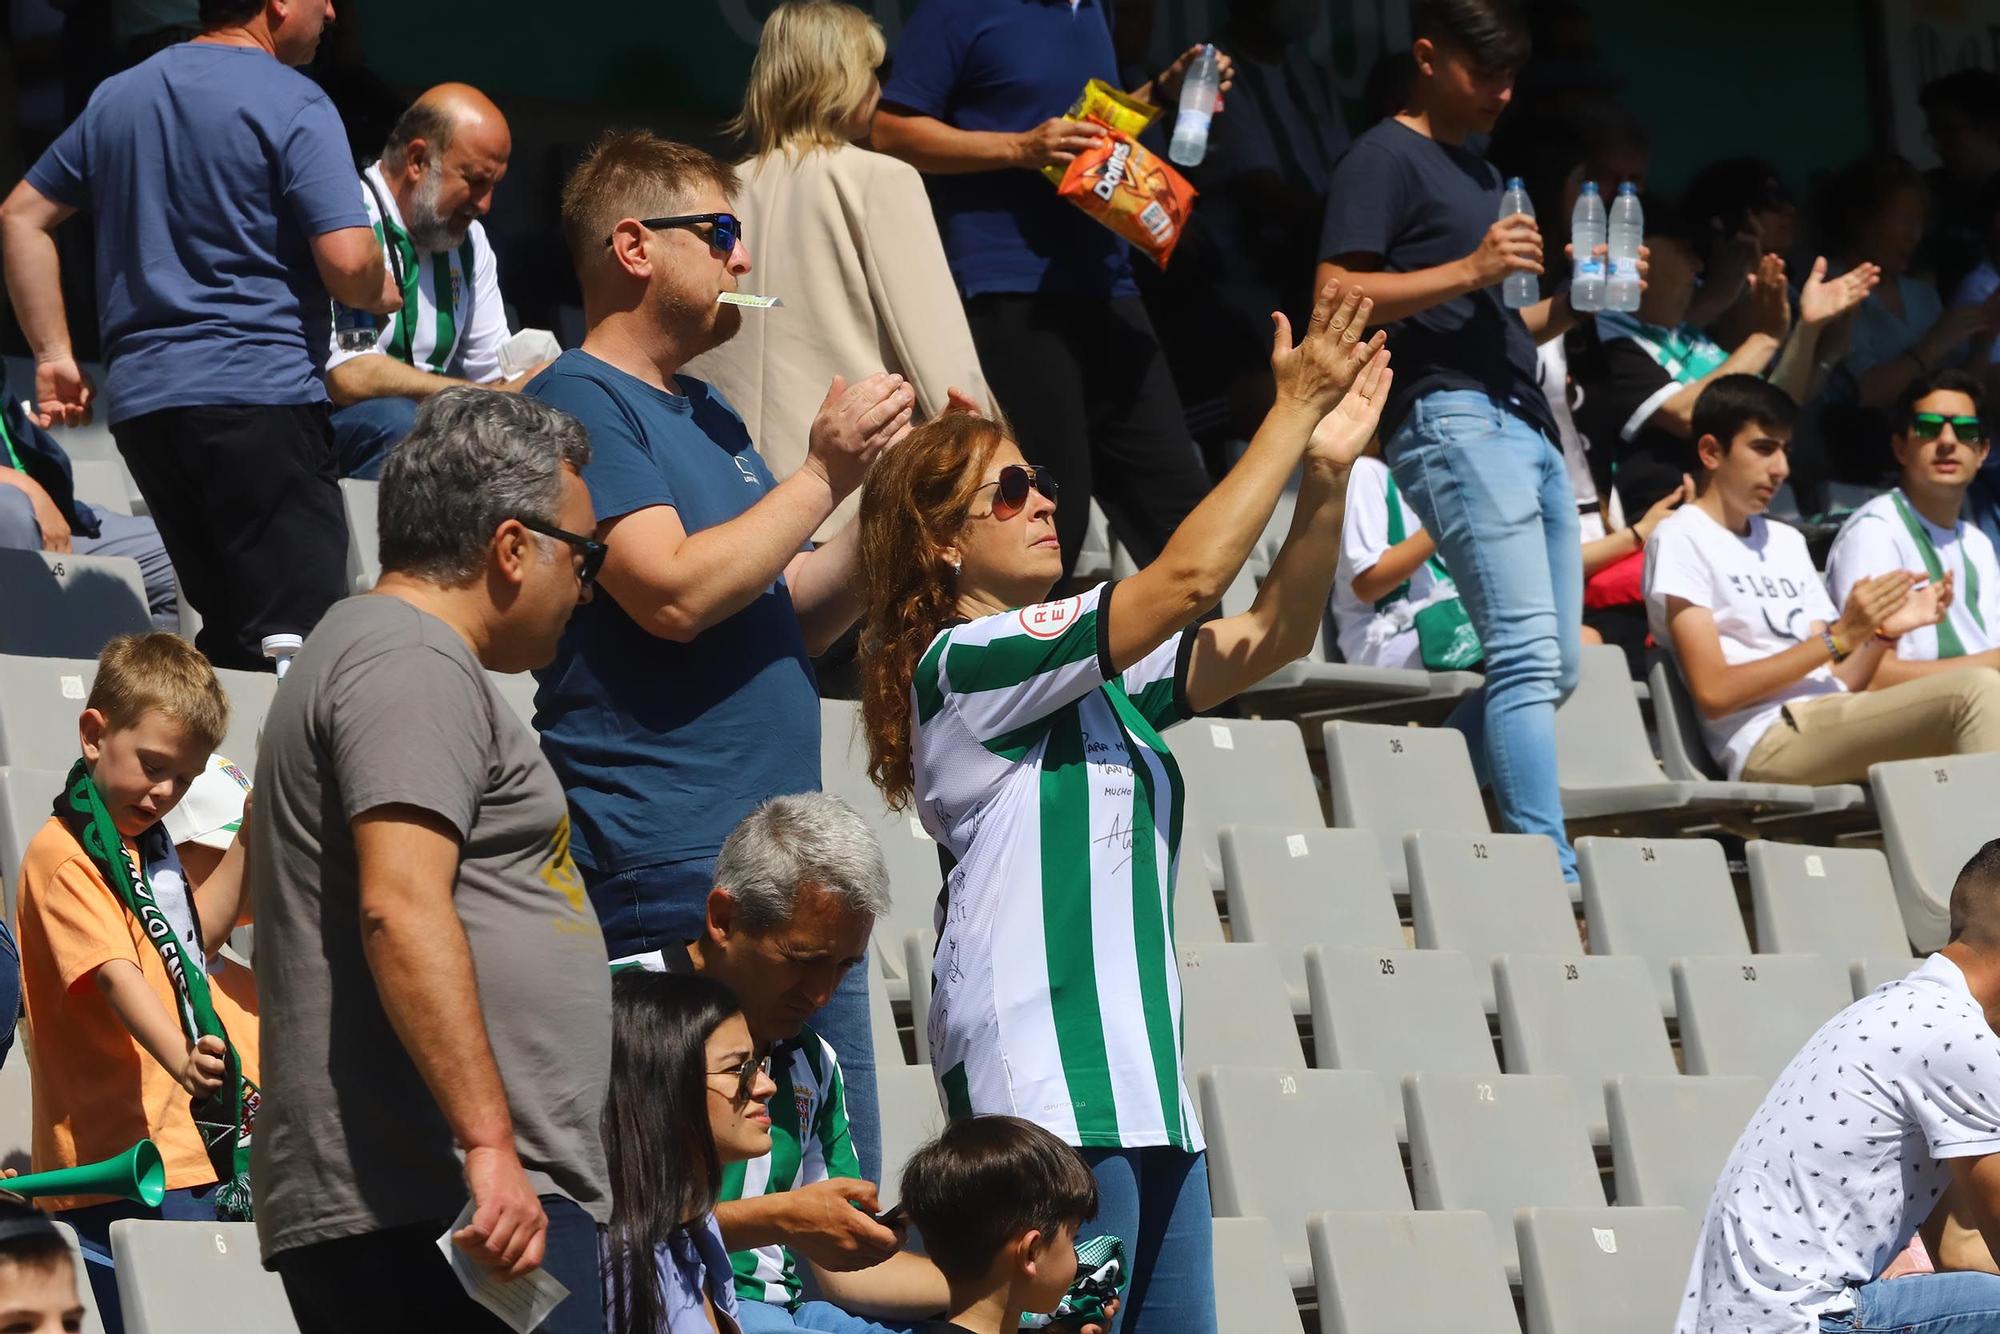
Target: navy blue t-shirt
x=664, y=746
x=207, y=170
x=1418, y=204
x=1009, y=65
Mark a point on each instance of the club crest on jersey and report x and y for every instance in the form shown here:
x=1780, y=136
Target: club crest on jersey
x=1046, y=620
x=804, y=1098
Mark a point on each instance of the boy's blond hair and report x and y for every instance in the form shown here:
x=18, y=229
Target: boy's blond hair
x=163, y=672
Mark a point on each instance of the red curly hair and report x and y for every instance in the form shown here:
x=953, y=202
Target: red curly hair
x=912, y=506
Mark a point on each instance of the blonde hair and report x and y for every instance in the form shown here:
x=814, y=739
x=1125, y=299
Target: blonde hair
x=811, y=74
x=632, y=174
x=160, y=672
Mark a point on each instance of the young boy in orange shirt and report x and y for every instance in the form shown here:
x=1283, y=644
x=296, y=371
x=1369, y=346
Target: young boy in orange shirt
x=126, y=1038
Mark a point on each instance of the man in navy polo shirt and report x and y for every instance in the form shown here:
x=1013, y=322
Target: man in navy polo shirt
x=976, y=102
x=683, y=698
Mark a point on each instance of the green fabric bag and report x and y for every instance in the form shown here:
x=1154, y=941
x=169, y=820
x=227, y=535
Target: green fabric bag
x=1446, y=641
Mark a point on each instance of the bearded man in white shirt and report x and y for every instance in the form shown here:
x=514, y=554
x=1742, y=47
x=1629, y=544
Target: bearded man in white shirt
x=425, y=198
x=1780, y=676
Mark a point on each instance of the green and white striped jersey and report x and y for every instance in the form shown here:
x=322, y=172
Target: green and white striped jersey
x=809, y=1142
x=452, y=321
x=1056, y=993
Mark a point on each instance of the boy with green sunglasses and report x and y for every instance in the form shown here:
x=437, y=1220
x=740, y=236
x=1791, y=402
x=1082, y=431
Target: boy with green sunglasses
x=1940, y=443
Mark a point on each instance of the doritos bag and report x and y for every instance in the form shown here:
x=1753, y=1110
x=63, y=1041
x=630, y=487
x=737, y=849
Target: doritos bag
x=1124, y=186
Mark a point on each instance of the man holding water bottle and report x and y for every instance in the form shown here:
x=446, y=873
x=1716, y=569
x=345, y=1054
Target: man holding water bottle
x=227, y=210
x=1469, y=434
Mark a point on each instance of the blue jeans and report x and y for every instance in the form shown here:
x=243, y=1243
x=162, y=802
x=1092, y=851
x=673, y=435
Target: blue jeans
x=1493, y=494
x=365, y=432
x=1921, y=1304
x=93, y=1229
x=663, y=907
x=1156, y=1202
x=764, y=1318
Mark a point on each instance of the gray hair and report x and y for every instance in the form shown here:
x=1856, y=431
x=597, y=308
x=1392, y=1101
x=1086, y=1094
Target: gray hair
x=425, y=120
x=475, y=459
x=808, y=839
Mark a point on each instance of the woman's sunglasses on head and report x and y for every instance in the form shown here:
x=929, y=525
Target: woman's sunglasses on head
x=1011, y=488
x=1930, y=425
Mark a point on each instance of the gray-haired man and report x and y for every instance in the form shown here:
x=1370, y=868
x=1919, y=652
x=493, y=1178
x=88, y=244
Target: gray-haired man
x=798, y=885
x=433, y=984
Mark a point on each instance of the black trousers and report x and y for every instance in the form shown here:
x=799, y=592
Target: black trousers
x=248, y=504
x=1085, y=384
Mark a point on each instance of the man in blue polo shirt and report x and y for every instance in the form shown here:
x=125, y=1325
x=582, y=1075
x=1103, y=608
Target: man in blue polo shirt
x=684, y=697
x=976, y=102
x=227, y=209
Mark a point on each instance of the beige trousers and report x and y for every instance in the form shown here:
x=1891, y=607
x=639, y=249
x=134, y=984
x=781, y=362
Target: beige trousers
x=1834, y=738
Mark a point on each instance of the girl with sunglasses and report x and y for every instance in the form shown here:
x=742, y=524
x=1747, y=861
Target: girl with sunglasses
x=1027, y=734
x=687, y=1098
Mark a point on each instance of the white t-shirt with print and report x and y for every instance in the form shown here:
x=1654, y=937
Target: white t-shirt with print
x=1846, y=1157
x=1875, y=540
x=1552, y=370
x=1765, y=596
x=1368, y=637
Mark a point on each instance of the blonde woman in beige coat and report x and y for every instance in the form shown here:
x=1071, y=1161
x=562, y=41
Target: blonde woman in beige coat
x=843, y=236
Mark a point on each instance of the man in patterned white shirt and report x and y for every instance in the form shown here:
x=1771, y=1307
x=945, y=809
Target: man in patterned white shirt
x=425, y=197
x=1895, y=1099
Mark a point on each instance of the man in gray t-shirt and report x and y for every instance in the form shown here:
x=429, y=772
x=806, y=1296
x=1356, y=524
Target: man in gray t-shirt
x=436, y=1007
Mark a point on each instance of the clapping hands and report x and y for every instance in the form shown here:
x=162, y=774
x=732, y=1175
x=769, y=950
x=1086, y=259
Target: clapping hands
x=1315, y=374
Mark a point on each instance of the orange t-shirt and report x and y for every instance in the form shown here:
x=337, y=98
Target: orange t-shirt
x=97, y=1091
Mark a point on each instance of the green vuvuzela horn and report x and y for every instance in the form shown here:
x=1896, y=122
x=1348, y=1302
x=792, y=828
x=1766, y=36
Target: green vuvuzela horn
x=135, y=1174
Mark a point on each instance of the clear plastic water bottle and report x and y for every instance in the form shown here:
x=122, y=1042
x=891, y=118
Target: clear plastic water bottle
x=1522, y=288
x=354, y=330
x=1586, y=233
x=1626, y=232
x=1198, y=93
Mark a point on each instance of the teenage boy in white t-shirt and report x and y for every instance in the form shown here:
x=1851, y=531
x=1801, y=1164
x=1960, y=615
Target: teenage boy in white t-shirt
x=1940, y=444
x=1771, y=664
x=1388, y=571
x=1895, y=1099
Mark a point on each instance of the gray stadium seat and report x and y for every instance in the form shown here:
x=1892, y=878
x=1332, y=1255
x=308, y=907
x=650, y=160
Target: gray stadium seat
x=912, y=1115
x=249, y=695
x=1197, y=921
x=1608, y=772
x=1093, y=561
x=1660, y=899
x=1935, y=815
x=193, y=1278
x=1240, y=772
x=1251, y=1290
x=1412, y=1273
x=518, y=689
x=1833, y=901
x=92, y=1323
x=68, y=606
x=1396, y=780
x=1397, y=1012
x=1292, y=888
x=1268, y=1131
x=17, y=1104
x=882, y=1019
x=1604, y=1270
x=915, y=877
x=1868, y=974
x=1671, y=1134
x=919, y=950
x=1496, y=1144
x=1489, y=894
x=1749, y=1015
x=103, y=482
x=26, y=796
x=40, y=699
x=1233, y=1008
x=1587, y=1018
x=364, y=562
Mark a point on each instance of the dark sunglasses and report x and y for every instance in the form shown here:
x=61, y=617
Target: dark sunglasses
x=744, y=1074
x=1930, y=425
x=728, y=228
x=592, y=551
x=1012, y=485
